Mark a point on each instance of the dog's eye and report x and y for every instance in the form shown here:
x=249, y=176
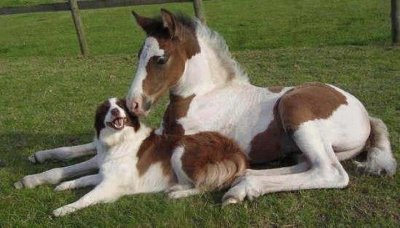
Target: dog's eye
x=161, y=59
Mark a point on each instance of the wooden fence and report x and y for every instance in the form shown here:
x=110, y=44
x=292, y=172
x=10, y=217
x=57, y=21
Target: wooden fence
x=395, y=16
x=74, y=6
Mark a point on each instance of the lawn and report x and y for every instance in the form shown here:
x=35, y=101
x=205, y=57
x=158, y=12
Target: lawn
x=49, y=94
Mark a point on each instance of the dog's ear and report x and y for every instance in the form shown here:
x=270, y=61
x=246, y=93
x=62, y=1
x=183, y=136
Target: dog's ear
x=101, y=113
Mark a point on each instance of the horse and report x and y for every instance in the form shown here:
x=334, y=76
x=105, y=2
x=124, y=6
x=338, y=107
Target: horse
x=209, y=91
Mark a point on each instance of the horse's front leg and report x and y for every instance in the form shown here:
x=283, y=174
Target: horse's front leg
x=103, y=193
x=63, y=153
x=54, y=176
x=322, y=170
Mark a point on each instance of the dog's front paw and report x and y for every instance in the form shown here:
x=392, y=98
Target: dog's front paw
x=30, y=181
x=35, y=158
x=64, y=186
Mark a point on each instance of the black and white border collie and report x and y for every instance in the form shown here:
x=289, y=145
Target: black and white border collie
x=132, y=159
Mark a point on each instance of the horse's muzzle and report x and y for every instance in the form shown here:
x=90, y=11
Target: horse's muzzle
x=140, y=106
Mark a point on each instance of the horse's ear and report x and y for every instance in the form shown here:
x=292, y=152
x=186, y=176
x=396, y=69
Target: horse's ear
x=170, y=22
x=143, y=22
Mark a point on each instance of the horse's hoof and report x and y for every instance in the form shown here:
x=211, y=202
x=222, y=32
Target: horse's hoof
x=18, y=185
x=230, y=200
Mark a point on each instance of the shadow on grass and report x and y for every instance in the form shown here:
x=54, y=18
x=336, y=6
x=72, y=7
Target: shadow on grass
x=15, y=147
x=16, y=144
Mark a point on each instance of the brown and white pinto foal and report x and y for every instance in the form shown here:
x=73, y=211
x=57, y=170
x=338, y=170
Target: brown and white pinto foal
x=132, y=159
x=210, y=92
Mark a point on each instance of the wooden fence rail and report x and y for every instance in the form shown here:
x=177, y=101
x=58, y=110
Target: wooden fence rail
x=395, y=17
x=64, y=6
x=75, y=5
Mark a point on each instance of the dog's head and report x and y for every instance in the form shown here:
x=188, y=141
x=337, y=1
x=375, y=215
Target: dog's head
x=113, y=120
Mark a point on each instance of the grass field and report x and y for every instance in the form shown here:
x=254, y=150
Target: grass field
x=49, y=94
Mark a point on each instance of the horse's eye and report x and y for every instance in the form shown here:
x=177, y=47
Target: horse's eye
x=162, y=59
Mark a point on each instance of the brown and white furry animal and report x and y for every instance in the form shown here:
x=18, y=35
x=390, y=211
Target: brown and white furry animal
x=209, y=91
x=133, y=159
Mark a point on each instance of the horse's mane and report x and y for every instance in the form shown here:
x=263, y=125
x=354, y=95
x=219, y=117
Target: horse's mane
x=215, y=41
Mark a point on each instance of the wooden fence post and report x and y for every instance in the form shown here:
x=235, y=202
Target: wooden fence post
x=79, y=27
x=395, y=15
x=197, y=5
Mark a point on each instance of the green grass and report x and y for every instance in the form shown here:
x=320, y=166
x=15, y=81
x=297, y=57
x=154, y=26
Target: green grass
x=49, y=94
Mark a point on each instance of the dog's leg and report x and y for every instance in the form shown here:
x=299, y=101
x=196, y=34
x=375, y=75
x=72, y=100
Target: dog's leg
x=178, y=187
x=82, y=182
x=182, y=190
x=63, y=153
x=102, y=193
x=54, y=176
x=183, y=193
x=298, y=168
x=325, y=172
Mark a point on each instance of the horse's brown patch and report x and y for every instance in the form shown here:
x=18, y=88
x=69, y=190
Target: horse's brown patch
x=308, y=102
x=267, y=145
x=275, y=89
x=177, y=108
x=208, y=156
x=273, y=143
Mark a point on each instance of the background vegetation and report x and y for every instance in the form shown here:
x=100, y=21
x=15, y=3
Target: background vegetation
x=49, y=94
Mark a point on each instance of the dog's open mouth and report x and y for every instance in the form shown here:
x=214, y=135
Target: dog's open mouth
x=118, y=123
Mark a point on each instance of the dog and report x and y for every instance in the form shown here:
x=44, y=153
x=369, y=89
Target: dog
x=133, y=159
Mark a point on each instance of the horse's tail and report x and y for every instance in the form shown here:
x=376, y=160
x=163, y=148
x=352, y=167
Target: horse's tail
x=379, y=154
x=221, y=174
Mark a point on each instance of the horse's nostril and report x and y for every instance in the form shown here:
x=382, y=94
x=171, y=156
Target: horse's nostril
x=115, y=112
x=135, y=105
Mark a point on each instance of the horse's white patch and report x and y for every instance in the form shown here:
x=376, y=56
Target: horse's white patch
x=151, y=48
x=238, y=111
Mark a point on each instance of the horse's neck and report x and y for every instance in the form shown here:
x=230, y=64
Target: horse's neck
x=203, y=73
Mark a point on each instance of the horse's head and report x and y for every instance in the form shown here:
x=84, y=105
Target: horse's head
x=170, y=42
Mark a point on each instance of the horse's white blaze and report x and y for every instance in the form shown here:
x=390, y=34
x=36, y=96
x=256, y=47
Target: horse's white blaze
x=151, y=48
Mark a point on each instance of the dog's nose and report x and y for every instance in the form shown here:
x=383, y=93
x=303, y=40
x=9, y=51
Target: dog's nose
x=115, y=112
